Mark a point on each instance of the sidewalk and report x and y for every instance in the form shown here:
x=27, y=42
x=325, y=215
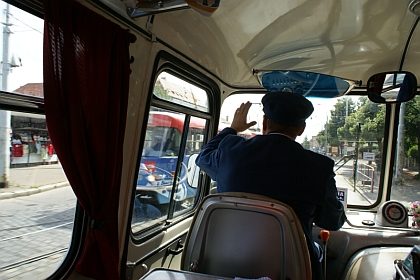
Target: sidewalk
x=25, y=181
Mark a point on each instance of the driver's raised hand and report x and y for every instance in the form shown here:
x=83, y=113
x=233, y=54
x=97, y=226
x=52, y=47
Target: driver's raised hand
x=239, y=123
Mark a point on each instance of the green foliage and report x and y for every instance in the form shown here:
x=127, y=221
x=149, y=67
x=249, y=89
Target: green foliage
x=364, y=149
x=365, y=125
x=344, y=107
x=306, y=144
x=413, y=152
x=411, y=125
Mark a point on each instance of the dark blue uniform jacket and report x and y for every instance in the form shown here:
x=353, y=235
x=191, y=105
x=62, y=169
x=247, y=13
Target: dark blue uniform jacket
x=278, y=167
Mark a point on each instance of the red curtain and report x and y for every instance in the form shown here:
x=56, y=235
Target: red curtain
x=86, y=78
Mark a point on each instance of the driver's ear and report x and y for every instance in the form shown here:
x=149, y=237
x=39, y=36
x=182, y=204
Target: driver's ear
x=302, y=129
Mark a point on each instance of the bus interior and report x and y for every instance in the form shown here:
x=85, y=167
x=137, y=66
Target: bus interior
x=106, y=104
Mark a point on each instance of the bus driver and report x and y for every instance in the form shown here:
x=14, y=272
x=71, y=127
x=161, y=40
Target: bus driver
x=274, y=165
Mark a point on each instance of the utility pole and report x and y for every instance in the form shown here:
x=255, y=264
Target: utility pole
x=400, y=144
x=5, y=116
x=356, y=159
x=347, y=106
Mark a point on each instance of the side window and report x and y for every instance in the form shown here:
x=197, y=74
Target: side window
x=168, y=179
x=195, y=142
x=37, y=204
x=173, y=89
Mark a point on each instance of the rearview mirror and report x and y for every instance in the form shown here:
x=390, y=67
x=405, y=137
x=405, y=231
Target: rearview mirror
x=392, y=87
x=307, y=84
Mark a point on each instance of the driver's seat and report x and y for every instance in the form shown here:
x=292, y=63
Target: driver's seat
x=248, y=236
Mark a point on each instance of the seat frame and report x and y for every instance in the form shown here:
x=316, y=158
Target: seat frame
x=246, y=235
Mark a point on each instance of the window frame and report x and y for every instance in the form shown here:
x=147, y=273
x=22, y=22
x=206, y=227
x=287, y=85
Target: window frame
x=171, y=65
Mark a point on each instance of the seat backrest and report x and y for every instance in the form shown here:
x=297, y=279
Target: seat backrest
x=246, y=235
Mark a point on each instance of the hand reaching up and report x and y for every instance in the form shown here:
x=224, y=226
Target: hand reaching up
x=239, y=123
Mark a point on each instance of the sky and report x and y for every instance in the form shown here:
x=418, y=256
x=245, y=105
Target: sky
x=25, y=42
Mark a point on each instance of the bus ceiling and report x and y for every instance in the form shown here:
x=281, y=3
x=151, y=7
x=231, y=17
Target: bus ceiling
x=351, y=40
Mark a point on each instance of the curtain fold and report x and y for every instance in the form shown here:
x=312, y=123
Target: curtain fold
x=86, y=79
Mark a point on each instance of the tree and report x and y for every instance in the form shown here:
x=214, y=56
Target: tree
x=321, y=137
x=306, y=144
x=371, y=117
x=342, y=109
x=412, y=129
x=372, y=129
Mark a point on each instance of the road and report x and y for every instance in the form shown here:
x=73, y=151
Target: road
x=35, y=232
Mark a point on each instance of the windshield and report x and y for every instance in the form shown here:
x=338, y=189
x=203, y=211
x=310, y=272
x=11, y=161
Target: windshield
x=351, y=131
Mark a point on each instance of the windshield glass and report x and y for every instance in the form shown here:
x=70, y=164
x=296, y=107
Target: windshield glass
x=351, y=131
